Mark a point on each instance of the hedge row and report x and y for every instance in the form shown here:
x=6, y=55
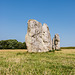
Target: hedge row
x=12, y=44
x=67, y=47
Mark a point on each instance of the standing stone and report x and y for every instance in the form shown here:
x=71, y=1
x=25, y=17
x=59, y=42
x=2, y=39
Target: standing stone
x=53, y=44
x=56, y=42
x=38, y=38
x=46, y=37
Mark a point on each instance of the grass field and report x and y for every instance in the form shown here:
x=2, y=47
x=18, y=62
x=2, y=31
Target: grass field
x=20, y=62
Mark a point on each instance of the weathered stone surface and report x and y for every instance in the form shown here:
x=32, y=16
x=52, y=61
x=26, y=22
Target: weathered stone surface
x=56, y=42
x=53, y=44
x=46, y=37
x=38, y=37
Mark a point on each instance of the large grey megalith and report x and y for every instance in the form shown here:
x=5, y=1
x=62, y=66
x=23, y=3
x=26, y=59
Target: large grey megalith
x=38, y=38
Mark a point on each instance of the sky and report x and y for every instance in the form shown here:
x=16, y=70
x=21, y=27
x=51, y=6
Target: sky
x=59, y=15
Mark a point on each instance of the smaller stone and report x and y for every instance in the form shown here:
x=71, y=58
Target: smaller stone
x=53, y=45
x=56, y=42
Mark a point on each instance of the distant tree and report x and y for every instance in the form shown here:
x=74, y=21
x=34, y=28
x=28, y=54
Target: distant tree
x=19, y=45
x=4, y=44
x=24, y=45
x=11, y=44
x=1, y=45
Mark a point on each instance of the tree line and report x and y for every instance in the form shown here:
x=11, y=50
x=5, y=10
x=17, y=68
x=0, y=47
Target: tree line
x=12, y=44
x=67, y=47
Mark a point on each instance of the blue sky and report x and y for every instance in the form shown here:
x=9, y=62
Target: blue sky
x=59, y=15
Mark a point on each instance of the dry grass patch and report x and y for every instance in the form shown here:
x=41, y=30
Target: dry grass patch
x=20, y=62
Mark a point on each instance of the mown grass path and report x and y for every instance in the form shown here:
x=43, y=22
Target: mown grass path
x=20, y=62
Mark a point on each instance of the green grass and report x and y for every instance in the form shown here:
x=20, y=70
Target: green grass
x=49, y=63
